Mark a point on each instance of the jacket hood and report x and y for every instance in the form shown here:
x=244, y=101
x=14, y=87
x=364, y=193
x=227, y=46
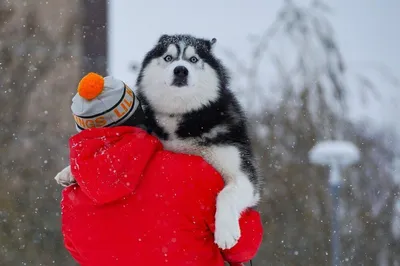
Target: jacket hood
x=108, y=163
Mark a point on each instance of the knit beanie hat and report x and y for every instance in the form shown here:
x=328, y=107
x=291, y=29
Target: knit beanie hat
x=102, y=102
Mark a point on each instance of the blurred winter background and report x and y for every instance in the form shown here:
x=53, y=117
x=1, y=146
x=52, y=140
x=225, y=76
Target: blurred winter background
x=305, y=71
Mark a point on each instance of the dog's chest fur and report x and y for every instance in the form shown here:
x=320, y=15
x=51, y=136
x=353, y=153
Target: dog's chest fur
x=219, y=123
x=171, y=124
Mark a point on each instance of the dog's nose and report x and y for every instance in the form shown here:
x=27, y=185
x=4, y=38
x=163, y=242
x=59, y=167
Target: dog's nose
x=181, y=71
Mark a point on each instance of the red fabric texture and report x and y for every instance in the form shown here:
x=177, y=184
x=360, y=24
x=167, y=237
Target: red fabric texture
x=137, y=204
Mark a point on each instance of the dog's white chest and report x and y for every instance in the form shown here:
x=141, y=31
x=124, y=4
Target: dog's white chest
x=170, y=124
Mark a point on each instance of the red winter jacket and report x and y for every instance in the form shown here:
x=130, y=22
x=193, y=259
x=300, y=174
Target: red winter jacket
x=137, y=204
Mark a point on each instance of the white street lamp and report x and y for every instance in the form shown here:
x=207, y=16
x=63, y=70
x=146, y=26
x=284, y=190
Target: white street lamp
x=337, y=155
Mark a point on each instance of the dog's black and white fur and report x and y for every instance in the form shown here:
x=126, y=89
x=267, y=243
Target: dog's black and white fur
x=185, y=93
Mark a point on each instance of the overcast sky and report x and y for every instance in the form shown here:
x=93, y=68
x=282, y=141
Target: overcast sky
x=367, y=31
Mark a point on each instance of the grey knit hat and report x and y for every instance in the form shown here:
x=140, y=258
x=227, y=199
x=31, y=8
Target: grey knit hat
x=102, y=102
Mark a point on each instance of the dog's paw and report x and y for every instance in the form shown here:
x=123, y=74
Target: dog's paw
x=65, y=178
x=227, y=229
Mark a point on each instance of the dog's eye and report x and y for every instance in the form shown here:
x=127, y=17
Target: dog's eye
x=168, y=58
x=193, y=59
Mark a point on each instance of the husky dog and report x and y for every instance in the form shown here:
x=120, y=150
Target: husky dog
x=184, y=90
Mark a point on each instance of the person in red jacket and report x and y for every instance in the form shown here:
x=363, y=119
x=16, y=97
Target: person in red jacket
x=135, y=203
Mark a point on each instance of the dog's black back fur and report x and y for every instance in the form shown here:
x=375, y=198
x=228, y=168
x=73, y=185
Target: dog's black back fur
x=225, y=111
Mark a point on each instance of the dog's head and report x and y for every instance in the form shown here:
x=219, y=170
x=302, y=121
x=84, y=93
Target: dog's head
x=181, y=74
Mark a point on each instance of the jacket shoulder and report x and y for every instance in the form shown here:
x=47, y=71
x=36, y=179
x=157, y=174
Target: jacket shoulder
x=187, y=169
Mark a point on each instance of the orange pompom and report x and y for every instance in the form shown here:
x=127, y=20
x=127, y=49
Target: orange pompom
x=91, y=86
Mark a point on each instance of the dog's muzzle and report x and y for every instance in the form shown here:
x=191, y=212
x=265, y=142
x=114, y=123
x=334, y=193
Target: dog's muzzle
x=180, y=76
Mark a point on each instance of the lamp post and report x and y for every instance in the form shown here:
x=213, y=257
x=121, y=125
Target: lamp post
x=336, y=155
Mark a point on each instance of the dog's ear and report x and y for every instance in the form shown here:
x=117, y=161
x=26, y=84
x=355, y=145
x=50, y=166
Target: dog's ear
x=211, y=43
x=163, y=38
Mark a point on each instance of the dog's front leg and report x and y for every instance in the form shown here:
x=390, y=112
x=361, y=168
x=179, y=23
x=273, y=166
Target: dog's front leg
x=234, y=198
